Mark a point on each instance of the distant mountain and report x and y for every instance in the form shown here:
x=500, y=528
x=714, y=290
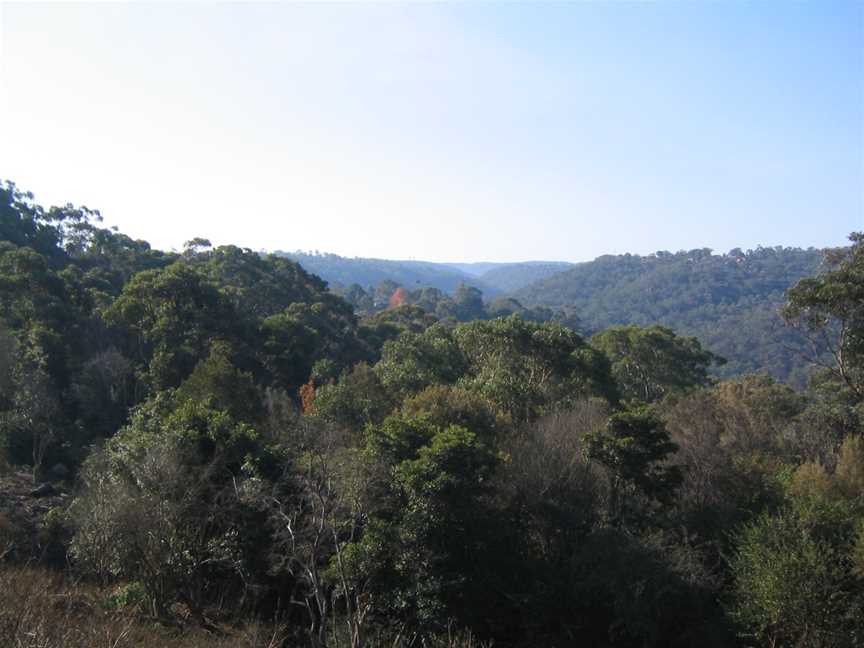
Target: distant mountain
x=491, y=278
x=728, y=301
x=476, y=269
x=344, y=271
x=513, y=276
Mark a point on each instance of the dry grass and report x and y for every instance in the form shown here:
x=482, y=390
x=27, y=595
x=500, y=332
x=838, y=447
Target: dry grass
x=39, y=609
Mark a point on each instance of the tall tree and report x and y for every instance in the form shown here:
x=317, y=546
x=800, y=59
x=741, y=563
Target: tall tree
x=168, y=319
x=650, y=362
x=830, y=309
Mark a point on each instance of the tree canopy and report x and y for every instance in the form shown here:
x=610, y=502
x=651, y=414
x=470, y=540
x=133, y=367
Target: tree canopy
x=241, y=450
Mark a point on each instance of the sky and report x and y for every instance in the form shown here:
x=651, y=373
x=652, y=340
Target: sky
x=443, y=131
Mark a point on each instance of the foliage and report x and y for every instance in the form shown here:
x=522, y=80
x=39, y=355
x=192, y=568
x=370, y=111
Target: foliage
x=728, y=301
x=218, y=384
x=414, y=361
x=432, y=524
x=830, y=309
x=417, y=309
x=357, y=399
x=239, y=444
x=30, y=424
x=168, y=319
x=633, y=447
x=648, y=363
x=510, y=277
x=793, y=582
x=162, y=504
x=301, y=336
x=527, y=368
x=727, y=457
x=345, y=271
x=257, y=285
x=446, y=405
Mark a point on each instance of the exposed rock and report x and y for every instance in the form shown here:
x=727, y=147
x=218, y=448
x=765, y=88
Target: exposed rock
x=43, y=490
x=23, y=511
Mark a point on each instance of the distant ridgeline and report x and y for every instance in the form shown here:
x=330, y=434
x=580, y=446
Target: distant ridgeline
x=445, y=291
x=491, y=278
x=728, y=301
x=342, y=272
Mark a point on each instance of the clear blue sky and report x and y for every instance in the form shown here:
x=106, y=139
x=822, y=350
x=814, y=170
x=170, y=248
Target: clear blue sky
x=444, y=131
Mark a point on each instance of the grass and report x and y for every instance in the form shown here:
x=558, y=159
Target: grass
x=42, y=609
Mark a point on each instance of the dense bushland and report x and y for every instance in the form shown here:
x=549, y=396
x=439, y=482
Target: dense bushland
x=249, y=463
x=729, y=301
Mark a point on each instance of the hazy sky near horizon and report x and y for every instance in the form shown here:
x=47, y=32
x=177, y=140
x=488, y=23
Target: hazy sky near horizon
x=445, y=131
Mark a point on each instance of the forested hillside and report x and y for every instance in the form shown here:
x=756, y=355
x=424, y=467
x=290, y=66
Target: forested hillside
x=341, y=272
x=475, y=268
x=513, y=276
x=728, y=301
x=210, y=448
x=492, y=279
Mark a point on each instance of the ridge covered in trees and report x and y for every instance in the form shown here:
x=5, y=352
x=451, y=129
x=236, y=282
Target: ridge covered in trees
x=341, y=272
x=493, y=279
x=729, y=301
x=512, y=276
x=223, y=453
